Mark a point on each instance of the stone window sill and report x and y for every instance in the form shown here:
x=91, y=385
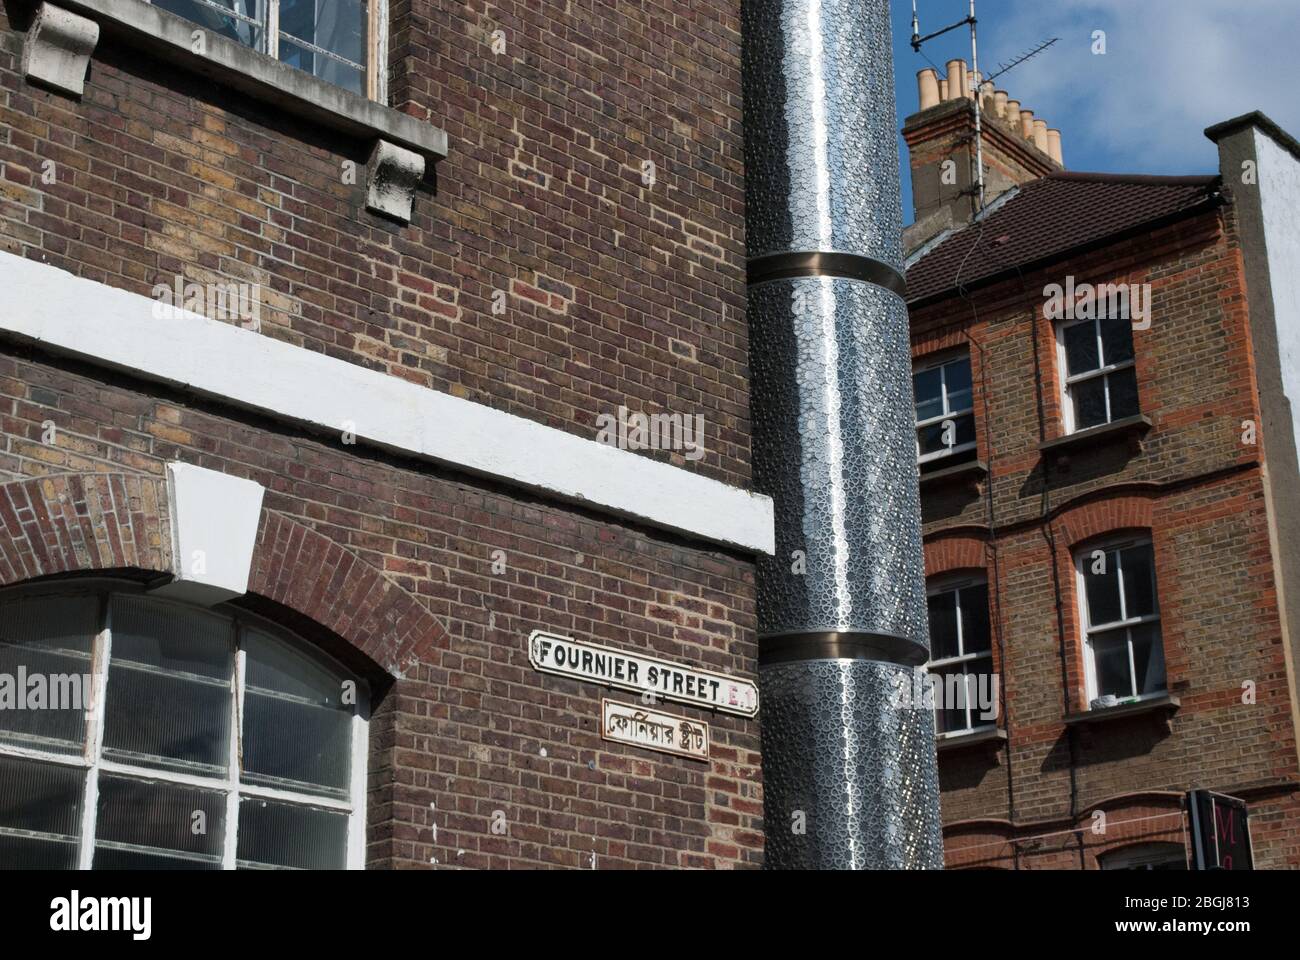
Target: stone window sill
x=1131, y=429
x=982, y=736
x=63, y=36
x=1166, y=704
x=972, y=471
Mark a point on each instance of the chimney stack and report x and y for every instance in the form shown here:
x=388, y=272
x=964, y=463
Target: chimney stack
x=1018, y=147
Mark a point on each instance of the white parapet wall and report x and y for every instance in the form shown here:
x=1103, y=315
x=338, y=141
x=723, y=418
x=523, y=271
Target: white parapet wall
x=120, y=330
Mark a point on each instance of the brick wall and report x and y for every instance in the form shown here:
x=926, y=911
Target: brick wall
x=1195, y=487
x=471, y=728
x=616, y=293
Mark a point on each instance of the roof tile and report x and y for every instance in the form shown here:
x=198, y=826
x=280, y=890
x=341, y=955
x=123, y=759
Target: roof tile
x=1049, y=217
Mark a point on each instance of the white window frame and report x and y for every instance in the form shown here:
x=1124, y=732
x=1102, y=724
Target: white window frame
x=1082, y=561
x=1069, y=380
x=942, y=585
x=375, y=69
x=939, y=362
x=92, y=761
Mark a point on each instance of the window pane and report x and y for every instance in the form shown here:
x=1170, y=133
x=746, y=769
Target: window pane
x=169, y=681
x=285, y=835
x=1148, y=658
x=1117, y=340
x=975, y=619
x=943, y=625
x=957, y=375
x=965, y=432
x=1089, y=403
x=297, y=727
x=927, y=386
x=1123, y=394
x=930, y=439
x=45, y=663
x=339, y=27
x=948, y=715
x=143, y=825
x=984, y=702
x=1139, y=581
x=1111, y=658
x=40, y=815
x=933, y=438
x=1101, y=589
x=210, y=16
x=1081, y=348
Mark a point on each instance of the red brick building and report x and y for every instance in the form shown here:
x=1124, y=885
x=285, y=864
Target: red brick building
x=308, y=333
x=1104, y=368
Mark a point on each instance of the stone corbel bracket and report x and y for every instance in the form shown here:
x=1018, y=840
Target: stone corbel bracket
x=393, y=174
x=58, y=49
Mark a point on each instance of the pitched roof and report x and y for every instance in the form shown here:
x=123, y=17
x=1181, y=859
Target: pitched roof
x=1047, y=219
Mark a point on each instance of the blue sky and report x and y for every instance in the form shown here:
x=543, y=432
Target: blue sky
x=1172, y=68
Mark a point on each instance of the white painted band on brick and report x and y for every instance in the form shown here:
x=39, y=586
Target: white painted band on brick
x=115, y=328
x=214, y=520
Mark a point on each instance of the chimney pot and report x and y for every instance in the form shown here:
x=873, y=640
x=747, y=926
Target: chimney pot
x=943, y=89
x=956, y=69
x=927, y=83
x=1013, y=114
x=1054, y=146
x=1027, y=123
x=1040, y=135
x=1000, y=103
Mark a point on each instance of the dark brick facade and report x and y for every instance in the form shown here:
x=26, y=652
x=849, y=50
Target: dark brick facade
x=618, y=294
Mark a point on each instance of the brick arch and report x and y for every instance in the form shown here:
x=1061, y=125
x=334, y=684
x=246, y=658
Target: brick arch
x=1096, y=518
x=71, y=523
x=119, y=522
x=304, y=570
x=947, y=554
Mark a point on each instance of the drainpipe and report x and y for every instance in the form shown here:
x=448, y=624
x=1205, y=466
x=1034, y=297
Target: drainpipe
x=849, y=773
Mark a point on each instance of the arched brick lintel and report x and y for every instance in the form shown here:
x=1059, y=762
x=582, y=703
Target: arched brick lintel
x=77, y=523
x=70, y=523
x=1096, y=518
x=306, y=571
x=949, y=554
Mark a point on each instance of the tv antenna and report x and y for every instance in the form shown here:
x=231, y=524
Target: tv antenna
x=1005, y=67
x=971, y=21
x=918, y=40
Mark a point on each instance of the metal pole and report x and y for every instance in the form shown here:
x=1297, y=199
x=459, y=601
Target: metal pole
x=849, y=773
x=979, y=136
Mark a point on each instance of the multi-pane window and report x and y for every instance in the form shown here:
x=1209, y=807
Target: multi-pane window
x=336, y=40
x=1121, y=615
x=961, y=655
x=172, y=737
x=945, y=414
x=1099, y=372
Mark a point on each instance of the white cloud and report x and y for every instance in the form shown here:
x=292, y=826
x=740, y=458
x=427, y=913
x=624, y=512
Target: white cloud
x=1172, y=68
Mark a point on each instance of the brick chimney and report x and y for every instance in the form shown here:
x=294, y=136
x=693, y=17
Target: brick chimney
x=1018, y=147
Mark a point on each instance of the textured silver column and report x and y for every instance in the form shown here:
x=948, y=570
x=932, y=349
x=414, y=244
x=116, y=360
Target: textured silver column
x=849, y=774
